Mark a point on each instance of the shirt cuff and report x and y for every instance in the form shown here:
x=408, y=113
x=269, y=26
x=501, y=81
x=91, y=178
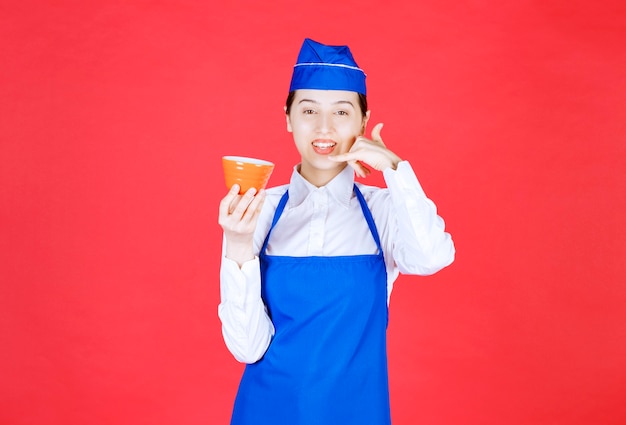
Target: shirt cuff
x=240, y=285
x=403, y=178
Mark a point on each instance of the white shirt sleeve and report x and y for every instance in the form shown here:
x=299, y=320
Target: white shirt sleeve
x=246, y=326
x=417, y=237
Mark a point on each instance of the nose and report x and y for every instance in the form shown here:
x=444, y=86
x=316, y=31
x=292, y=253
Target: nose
x=324, y=123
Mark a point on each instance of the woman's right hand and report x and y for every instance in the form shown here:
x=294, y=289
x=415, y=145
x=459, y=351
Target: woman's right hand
x=238, y=216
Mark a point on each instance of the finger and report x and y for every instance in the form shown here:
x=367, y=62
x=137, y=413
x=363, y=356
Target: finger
x=225, y=204
x=255, y=207
x=343, y=157
x=243, y=203
x=365, y=169
x=252, y=208
x=376, y=133
x=360, y=169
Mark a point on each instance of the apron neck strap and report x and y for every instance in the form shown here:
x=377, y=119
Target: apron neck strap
x=368, y=217
x=277, y=214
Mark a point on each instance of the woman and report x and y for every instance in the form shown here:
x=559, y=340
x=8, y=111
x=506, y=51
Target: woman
x=308, y=267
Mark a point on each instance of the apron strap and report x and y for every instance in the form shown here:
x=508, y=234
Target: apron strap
x=277, y=214
x=368, y=217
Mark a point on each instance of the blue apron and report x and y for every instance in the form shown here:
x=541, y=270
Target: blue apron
x=327, y=362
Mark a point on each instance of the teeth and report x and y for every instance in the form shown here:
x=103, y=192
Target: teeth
x=323, y=145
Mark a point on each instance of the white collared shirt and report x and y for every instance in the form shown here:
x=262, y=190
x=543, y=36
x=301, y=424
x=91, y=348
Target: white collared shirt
x=328, y=221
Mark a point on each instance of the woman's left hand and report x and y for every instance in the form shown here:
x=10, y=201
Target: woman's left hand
x=368, y=152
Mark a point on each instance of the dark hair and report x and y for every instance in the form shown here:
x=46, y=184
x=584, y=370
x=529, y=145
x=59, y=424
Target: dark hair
x=362, y=102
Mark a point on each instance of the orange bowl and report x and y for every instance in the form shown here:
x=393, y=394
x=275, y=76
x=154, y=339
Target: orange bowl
x=246, y=172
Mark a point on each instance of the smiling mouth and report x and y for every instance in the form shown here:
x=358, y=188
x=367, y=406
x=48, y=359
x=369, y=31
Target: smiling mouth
x=323, y=147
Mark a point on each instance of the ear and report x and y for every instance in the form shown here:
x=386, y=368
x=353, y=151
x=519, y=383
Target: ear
x=288, y=119
x=366, y=118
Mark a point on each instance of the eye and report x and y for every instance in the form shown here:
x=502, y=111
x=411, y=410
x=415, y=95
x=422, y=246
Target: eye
x=343, y=113
x=308, y=111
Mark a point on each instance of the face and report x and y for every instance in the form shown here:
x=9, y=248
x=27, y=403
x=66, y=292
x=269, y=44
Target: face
x=324, y=122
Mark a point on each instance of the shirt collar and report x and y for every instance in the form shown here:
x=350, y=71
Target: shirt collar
x=340, y=187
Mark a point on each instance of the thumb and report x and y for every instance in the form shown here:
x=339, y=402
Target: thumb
x=376, y=132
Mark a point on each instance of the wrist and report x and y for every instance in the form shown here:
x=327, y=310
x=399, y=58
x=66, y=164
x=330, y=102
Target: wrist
x=394, y=160
x=239, y=251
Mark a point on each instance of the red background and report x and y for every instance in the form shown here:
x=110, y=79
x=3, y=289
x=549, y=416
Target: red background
x=113, y=119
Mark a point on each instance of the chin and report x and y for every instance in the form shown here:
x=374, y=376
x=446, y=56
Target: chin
x=324, y=164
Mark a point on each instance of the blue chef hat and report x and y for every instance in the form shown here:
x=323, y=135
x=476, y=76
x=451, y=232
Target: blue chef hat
x=324, y=67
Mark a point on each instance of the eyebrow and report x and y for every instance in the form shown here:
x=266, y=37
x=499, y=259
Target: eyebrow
x=339, y=102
